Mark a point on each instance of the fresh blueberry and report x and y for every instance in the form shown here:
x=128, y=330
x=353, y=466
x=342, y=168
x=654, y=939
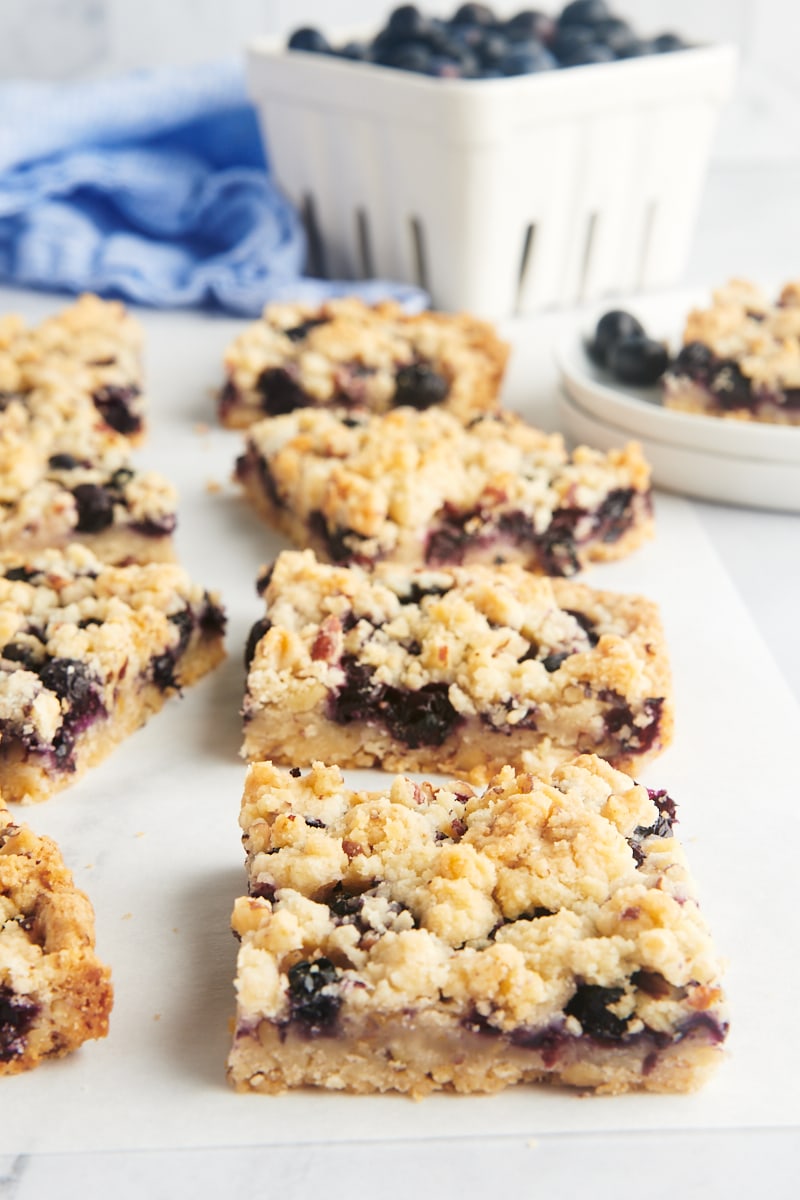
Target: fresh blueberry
x=527, y=58
x=637, y=360
x=617, y=35
x=355, y=52
x=409, y=56
x=584, y=12
x=491, y=50
x=530, y=25
x=95, y=507
x=473, y=14
x=666, y=43
x=584, y=56
x=419, y=385
x=407, y=21
x=571, y=40
x=611, y=327
x=309, y=39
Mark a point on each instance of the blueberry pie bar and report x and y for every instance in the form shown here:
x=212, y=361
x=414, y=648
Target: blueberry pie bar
x=740, y=357
x=453, y=670
x=351, y=354
x=419, y=487
x=55, y=994
x=93, y=347
x=429, y=937
x=87, y=653
x=122, y=515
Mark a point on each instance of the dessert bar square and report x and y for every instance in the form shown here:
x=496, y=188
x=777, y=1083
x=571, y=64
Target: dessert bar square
x=87, y=653
x=93, y=346
x=427, y=937
x=421, y=488
x=741, y=357
x=55, y=994
x=122, y=515
x=351, y=354
x=456, y=670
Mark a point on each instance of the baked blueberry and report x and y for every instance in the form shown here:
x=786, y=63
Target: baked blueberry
x=95, y=507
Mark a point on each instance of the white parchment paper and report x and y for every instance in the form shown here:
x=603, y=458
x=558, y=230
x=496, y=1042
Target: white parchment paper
x=152, y=836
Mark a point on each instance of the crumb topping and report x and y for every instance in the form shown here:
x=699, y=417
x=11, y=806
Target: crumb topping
x=387, y=478
x=497, y=904
x=348, y=352
x=761, y=336
x=509, y=646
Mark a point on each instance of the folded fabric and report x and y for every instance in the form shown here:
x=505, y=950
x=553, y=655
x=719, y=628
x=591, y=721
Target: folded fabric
x=153, y=187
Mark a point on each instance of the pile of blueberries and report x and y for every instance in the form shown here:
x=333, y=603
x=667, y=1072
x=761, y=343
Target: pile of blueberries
x=621, y=345
x=474, y=43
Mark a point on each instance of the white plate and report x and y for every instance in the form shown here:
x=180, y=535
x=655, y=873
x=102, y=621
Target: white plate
x=639, y=411
x=753, y=482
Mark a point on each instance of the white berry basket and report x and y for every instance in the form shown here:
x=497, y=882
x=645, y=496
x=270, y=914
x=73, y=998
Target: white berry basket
x=499, y=196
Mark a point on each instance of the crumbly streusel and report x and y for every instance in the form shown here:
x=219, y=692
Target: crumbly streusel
x=459, y=669
x=420, y=487
x=54, y=991
x=348, y=353
x=741, y=357
x=428, y=936
x=88, y=652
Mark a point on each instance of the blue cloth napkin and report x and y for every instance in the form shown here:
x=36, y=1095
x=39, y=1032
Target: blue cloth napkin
x=153, y=187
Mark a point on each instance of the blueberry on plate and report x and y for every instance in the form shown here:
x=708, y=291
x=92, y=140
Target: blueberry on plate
x=637, y=359
x=310, y=39
x=527, y=58
x=611, y=327
x=530, y=24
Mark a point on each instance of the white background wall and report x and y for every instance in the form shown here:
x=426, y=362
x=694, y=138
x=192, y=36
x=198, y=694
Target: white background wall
x=68, y=39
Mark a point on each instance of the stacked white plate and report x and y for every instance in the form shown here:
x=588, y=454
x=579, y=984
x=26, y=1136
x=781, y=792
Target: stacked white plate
x=737, y=462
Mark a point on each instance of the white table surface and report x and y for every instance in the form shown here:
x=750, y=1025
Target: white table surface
x=748, y=218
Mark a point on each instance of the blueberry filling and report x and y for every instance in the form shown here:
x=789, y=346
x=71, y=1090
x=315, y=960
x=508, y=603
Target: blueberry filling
x=114, y=403
x=76, y=689
x=341, y=545
x=155, y=527
x=17, y=1015
x=279, y=392
x=64, y=462
x=661, y=827
x=314, y=998
x=590, y=1006
x=254, y=637
x=163, y=666
x=95, y=507
x=724, y=380
x=586, y=624
x=630, y=734
x=22, y=654
x=211, y=619
x=419, y=386
x=422, y=718
x=21, y=574
x=416, y=593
